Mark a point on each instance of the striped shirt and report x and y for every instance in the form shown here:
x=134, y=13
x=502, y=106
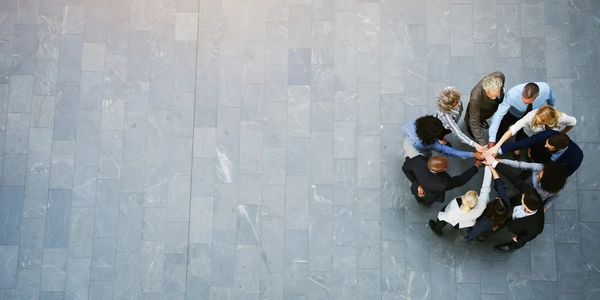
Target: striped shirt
x=450, y=122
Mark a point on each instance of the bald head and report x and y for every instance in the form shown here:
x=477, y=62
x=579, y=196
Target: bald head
x=437, y=164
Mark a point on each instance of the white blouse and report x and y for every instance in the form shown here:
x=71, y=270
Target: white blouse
x=453, y=215
x=525, y=123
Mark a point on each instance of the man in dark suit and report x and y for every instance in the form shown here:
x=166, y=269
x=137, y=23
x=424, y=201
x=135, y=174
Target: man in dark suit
x=549, y=145
x=526, y=213
x=429, y=179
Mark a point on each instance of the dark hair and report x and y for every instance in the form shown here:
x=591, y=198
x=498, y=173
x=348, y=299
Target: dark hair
x=532, y=201
x=554, y=178
x=429, y=129
x=559, y=140
x=531, y=90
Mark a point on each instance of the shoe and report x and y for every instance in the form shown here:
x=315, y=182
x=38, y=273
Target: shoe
x=432, y=227
x=484, y=125
x=504, y=248
x=480, y=239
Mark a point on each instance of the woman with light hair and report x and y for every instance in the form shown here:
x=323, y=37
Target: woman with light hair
x=449, y=111
x=485, y=97
x=462, y=212
x=537, y=120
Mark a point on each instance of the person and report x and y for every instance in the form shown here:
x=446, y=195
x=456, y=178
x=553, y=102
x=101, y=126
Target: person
x=424, y=134
x=520, y=100
x=493, y=218
x=483, y=103
x=449, y=111
x=526, y=216
x=430, y=180
x=547, y=179
x=537, y=120
x=549, y=145
x=462, y=212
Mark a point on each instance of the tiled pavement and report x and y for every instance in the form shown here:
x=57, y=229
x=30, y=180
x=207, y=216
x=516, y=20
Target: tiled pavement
x=243, y=149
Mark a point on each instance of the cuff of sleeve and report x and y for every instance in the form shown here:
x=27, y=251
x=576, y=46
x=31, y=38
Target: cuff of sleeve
x=500, y=151
x=494, y=164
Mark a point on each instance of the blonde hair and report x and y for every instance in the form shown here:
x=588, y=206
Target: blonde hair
x=448, y=98
x=546, y=116
x=469, y=201
x=491, y=83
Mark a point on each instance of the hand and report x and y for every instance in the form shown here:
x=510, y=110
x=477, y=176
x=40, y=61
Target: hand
x=491, y=144
x=478, y=163
x=420, y=191
x=489, y=159
x=443, y=141
x=480, y=148
x=514, y=238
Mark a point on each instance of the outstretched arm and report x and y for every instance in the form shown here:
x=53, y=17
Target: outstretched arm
x=522, y=165
x=463, y=178
x=452, y=151
x=496, y=119
x=456, y=130
x=514, y=179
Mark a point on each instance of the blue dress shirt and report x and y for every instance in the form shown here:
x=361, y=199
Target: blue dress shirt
x=411, y=133
x=514, y=104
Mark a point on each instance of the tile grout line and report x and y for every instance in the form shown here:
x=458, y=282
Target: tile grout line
x=187, y=261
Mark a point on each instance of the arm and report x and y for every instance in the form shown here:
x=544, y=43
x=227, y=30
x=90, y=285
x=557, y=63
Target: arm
x=461, y=179
x=497, y=118
x=484, y=193
x=503, y=139
x=410, y=175
x=514, y=179
x=529, y=235
x=475, y=120
x=551, y=98
x=568, y=121
x=451, y=151
x=522, y=165
x=454, y=128
x=525, y=143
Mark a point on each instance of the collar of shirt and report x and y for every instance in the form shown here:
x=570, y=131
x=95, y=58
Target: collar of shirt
x=557, y=154
x=519, y=212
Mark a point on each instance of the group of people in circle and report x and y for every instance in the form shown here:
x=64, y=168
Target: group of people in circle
x=526, y=124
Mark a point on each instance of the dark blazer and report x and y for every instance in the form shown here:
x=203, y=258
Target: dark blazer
x=481, y=108
x=526, y=228
x=434, y=184
x=571, y=158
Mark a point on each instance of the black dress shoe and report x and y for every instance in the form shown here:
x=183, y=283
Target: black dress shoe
x=504, y=248
x=432, y=224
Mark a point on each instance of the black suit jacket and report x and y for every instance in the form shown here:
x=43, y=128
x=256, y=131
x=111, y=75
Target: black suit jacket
x=571, y=158
x=526, y=228
x=434, y=184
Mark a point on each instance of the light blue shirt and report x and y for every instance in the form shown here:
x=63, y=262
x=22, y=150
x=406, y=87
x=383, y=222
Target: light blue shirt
x=514, y=104
x=411, y=133
x=556, y=155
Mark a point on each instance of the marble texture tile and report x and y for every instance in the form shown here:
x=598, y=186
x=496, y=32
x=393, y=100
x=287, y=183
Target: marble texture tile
x=226, y=150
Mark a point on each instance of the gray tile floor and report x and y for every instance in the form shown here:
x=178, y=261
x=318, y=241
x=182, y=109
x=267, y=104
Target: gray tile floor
x=244, y=149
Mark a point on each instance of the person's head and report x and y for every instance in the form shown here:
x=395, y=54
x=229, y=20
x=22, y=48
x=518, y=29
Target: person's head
x=429, y=129
x=530, y=92
x=448, y=99
x=546, y=116
x=492, y=85
x=557, y=142
x=531, y=202
x=469, y=201
x=437, y=164
x=553, y=177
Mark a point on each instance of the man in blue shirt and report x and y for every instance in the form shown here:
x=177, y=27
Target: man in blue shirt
x=519, y=100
